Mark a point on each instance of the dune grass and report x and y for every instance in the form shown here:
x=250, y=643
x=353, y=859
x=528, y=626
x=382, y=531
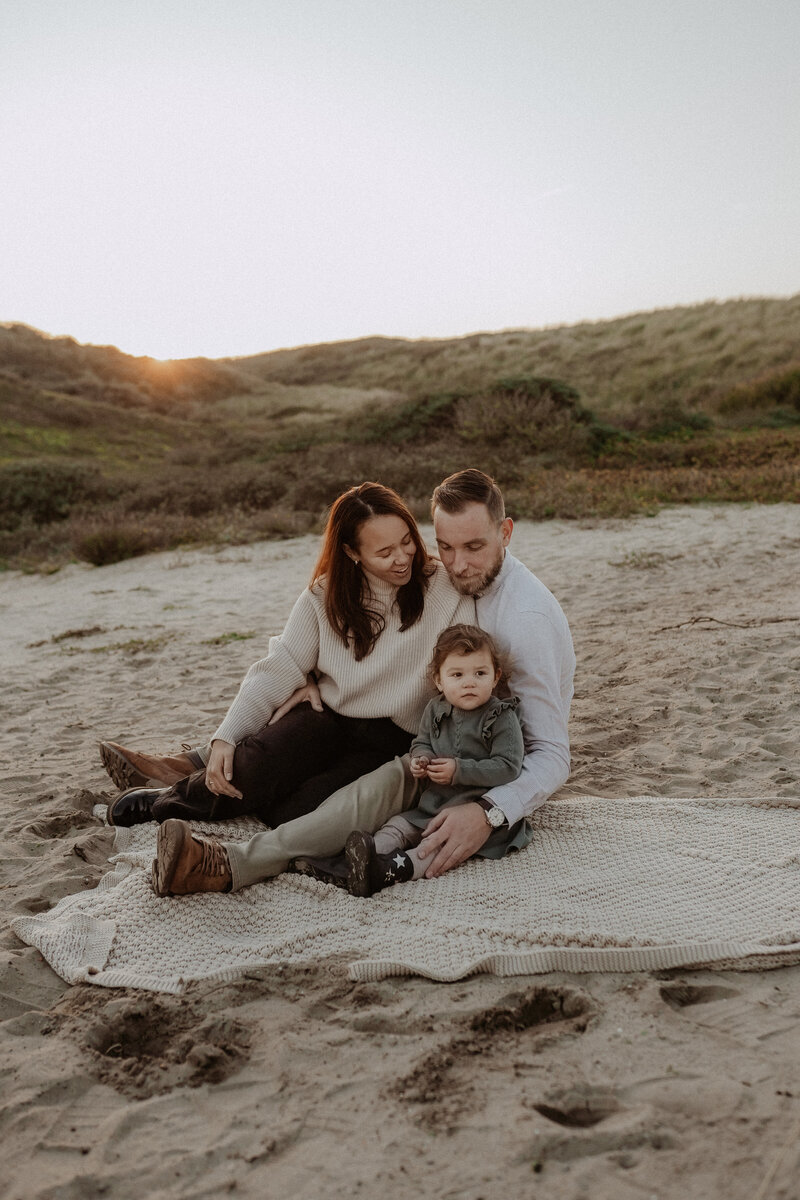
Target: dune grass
x=104, y=456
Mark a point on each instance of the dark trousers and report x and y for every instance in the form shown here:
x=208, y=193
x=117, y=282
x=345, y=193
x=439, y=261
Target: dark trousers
x=286, y=770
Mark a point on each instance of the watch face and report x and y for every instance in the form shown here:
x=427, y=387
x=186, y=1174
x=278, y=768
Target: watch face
x=496, y=817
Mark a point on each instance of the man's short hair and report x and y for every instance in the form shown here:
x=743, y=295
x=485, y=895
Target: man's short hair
x=469, y=487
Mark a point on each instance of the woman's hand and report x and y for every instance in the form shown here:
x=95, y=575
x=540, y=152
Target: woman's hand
x=441, y=770
x=219, y=771
x=419, y=766
x=310, y=693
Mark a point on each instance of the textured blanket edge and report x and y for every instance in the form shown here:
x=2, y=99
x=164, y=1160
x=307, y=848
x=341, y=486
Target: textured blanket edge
x=736, y=956
x=94, y=937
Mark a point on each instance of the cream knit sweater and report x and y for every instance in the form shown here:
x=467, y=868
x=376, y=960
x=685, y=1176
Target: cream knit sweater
x=390, y=682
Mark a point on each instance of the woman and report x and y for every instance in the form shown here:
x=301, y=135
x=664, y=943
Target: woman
x=365, y=627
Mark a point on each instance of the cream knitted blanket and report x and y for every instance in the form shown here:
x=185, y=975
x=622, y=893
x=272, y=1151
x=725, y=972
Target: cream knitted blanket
x=606, y=885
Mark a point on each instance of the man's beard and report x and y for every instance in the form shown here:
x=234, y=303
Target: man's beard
x=476, y=587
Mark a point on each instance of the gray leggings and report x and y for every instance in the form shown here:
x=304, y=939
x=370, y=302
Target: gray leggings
x=400, y=834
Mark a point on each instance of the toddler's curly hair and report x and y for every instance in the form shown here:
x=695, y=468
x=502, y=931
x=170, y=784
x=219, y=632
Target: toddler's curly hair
x=463, y=639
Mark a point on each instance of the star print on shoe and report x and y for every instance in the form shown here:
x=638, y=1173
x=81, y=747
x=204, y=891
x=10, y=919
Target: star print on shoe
x=370, y=872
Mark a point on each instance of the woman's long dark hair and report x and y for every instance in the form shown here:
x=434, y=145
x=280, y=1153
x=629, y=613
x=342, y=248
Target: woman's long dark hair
x=346, y=604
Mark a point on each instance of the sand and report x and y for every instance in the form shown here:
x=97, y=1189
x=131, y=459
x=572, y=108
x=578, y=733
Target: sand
x=299, y=1082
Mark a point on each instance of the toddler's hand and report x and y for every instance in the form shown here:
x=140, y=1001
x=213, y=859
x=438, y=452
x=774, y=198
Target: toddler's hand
x=441, y=770
x=419, y=766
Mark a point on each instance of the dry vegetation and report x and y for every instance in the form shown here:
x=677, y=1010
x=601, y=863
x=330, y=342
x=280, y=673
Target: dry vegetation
x=103, y=456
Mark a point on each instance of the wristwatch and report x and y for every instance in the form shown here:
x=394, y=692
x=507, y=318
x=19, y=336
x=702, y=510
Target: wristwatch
x=494, y=815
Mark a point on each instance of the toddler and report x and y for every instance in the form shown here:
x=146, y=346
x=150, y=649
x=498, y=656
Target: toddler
x=468, y=741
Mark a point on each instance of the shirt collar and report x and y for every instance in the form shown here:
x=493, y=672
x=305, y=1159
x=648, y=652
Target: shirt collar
x=500, y=578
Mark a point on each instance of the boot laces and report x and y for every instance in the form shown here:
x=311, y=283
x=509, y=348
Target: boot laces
x=214, y=858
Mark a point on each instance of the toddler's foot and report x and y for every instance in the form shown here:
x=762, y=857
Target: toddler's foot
x=370, y=872
x=327, y=870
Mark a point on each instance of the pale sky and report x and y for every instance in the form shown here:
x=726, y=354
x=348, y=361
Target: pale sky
x=223, y=177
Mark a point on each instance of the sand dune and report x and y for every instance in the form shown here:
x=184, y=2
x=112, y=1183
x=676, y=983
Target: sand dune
x=299, y=1082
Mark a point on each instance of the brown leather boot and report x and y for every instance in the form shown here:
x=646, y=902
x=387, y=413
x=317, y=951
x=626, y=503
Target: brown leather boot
x=185, y=863
x=132, y=769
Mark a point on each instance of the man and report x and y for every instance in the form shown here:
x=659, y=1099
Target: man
x=524, y=618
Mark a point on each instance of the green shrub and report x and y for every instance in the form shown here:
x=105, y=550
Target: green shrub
x=406, y=422
x=779, y=391
x=781, y=418
x=540, y=414
x=676, y=420
x=198, y=492
x=44, y=491
x=115, y=543
x=252, y=488
x=666, y=417
x=192, y=493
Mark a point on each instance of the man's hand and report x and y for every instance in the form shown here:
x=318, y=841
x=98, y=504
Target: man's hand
x=219, y=771
x=419, y=766
x=452, y=837
x=441, y=770
x=309, y=692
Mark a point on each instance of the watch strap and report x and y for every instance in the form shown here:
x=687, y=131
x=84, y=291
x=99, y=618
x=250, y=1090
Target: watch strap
x=488, y=807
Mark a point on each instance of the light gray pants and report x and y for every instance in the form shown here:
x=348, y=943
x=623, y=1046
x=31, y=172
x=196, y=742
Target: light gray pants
x=368, y=803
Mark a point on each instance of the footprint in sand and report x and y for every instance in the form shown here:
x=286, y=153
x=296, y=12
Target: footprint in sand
x=744, y=1018
x=587, y=1121
x=579, y=1109
x=446, y=1082
x=146, y=1046
x=60, y=823
x=685, y=995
